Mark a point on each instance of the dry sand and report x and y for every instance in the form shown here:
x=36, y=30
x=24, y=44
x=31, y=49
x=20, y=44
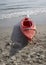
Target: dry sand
x=15, y=49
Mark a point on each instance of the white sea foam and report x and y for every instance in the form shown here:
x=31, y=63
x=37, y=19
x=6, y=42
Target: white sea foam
x=27, y=12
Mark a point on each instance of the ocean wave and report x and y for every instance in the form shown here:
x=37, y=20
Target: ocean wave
x=23, y=13
x=13, y=8
x=2, y=4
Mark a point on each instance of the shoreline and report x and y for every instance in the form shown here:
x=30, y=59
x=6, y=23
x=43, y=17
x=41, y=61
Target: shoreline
x=38, y=19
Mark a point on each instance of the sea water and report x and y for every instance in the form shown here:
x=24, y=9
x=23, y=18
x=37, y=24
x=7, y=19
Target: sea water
x=12, y=11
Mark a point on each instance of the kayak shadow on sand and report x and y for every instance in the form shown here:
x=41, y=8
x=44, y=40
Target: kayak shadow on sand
x=18, y=40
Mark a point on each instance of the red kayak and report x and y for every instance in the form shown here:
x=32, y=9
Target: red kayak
x=28, y=28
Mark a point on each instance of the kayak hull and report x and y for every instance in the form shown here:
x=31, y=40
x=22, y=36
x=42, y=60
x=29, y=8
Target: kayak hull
x=28, y=30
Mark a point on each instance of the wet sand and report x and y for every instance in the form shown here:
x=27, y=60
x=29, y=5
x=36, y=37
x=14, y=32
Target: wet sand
x=16, y=50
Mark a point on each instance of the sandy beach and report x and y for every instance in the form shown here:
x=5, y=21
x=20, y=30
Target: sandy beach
x=16, y=50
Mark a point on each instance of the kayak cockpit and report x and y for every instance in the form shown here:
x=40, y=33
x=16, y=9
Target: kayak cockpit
x=27, y=23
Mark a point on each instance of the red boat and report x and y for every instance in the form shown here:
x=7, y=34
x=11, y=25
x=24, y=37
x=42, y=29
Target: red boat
x=28, y=28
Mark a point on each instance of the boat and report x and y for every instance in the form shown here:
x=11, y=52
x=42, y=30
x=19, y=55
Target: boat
x=28, y=28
